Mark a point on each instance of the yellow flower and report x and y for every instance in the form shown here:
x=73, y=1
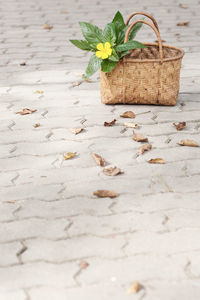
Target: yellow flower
x=104, y=50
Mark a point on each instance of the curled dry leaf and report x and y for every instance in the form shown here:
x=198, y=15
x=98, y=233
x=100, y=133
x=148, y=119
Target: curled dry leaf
x=69, y=155
x=180, y=125
x=156, y=161
x=144, y=148
x=36, y=125
x=128, y=114
x=76, y=130
x=77, y=83
x=98, y=159
x=83, y=265
x=111, y=123
x=139, y=138
x=64, y=12
x=131, y=125
x=26, y=111
x=189, y=143
x=112, y=171
x=183, y=23
x=183, y=5
x=134, y=288
x=39, y=92
x=105, y=193
x=47, y=26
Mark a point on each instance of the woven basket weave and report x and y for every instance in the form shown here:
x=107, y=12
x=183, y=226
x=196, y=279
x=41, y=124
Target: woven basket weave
x=145, y=76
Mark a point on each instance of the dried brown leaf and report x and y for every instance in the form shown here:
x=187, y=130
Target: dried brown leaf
x=26, y=111
x=77, y=83
x=131, y=125
x=69, y=155
x=180, y=125
x=111, y=123
x=128, y=114
x=36, y=125
x=144, y=148
x=76, y=130
x=134, y=288
x=156, y=161
x=98, y=159
x=183, y=23
x=105, y=193
x=163, y=41
x=183, y=5
x=112, y=171
x=83, y=265
x=47, y=26
x=38, y=92
x=189, y=143
x=23, y=64
x=139, y=138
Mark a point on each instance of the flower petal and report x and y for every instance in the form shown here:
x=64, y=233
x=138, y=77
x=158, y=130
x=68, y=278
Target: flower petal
x=100, y=46
x=109, y=51
x=107, y=45
x=104, y=55
x=99, y=54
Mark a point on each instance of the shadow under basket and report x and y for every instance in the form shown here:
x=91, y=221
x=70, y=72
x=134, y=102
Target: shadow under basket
x=149, y=75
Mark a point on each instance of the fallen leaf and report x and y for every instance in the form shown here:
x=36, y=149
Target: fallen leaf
x=36, y=125
x=183, y=23
x=23, y=64
x=180, y=125
x=183, y=5
x=144, y=148
x=83, y=265
x=76, y=130
x=47, y=26
x=189, y=143
x=105, y=193
x=69, y=155
x=131, y=125
x=64, y=12
x=128, y=114
x=88, y=80
x=156, y=161
x=77, y=83
x=163, y=41
x=107, y=124
x=11, y=201
x=98, y=159
x=26, y=111
x=134, y=288
x=139, y=138
x=112, y=171
x=38, y=92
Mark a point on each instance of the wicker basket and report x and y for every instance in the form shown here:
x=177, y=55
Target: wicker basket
x=145, y=76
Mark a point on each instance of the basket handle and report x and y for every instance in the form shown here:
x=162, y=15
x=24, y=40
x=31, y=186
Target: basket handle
x=144, y=14
x=155, y=30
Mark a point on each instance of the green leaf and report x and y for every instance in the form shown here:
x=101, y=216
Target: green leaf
x=114, y=56
x=119, y=21
x=107, y=66
x=122, y=35
x=132, y=34
x=91, y=33
x=129, y=45
x=124, y=53
x=134, y=31
x=83, y=45
x=110, y=34
x=93, y=66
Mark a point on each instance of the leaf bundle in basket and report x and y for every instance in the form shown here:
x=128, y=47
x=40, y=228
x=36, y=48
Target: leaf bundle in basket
x=131, y=72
